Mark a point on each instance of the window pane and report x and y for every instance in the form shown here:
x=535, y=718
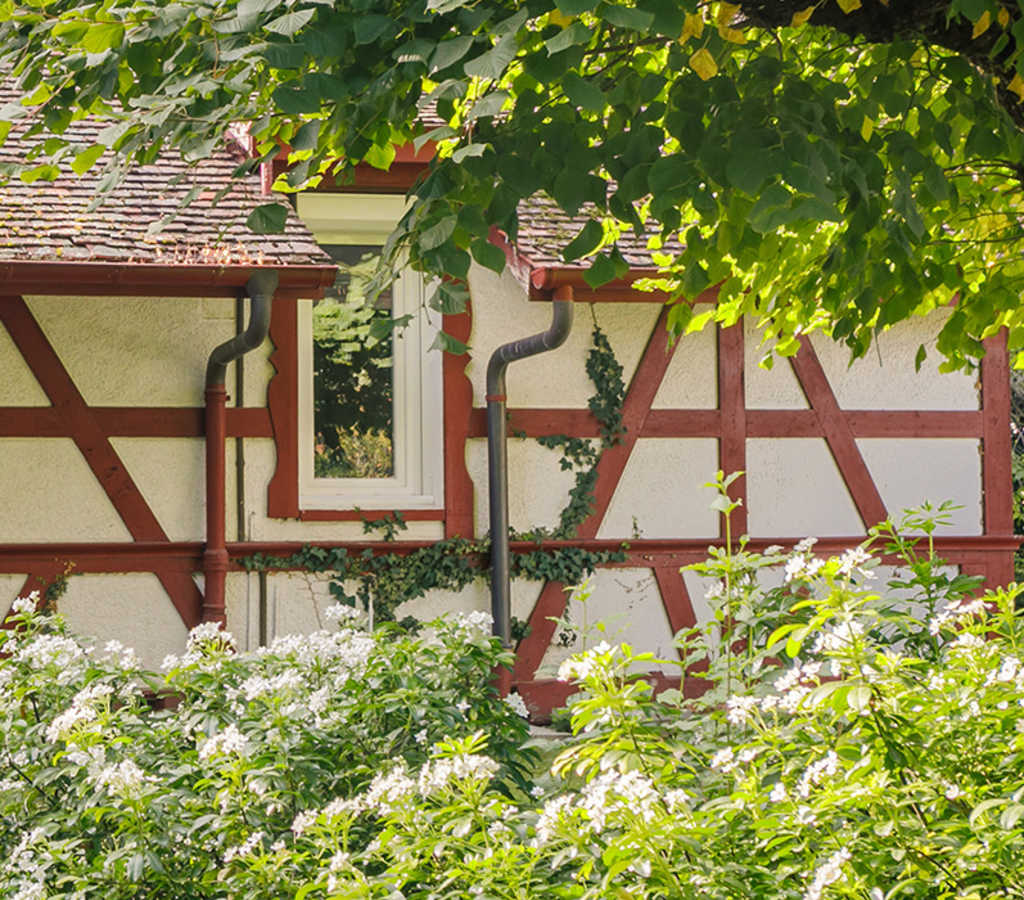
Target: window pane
x=353, y=410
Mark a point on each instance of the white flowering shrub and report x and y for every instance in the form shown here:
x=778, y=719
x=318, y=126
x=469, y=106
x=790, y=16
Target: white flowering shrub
x=861, y=739
x=103, y=795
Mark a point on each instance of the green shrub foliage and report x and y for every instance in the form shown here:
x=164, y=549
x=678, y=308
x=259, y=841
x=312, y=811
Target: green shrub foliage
x=862, y=737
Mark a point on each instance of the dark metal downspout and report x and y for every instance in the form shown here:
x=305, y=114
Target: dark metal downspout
x=260, y=288
x=497, y=451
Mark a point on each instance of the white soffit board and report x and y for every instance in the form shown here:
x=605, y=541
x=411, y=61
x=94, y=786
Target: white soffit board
x=350, y=218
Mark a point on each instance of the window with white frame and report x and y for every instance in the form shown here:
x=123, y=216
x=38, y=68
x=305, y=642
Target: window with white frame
x=370, y=397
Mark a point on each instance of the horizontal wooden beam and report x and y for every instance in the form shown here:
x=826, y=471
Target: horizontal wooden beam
x=146, y=556
x=131, y=421
x=761, y=423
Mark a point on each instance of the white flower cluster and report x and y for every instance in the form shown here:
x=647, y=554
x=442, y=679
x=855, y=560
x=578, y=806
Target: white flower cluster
x=121, y=656
x=82, y=711
x=203, y=648
x=802, y=566
x=852, y=563
x=338, y=862
x=474, y=623
x=518, y=705
x=839, y=637
x=348, y=651
x=54, y=650
x=437, y=774
x=207, y=633
x=793, y=687
x=740, y=708
x=245, y=848
x=611, y=794
x=389, y=791
x=23, y=870
x=958, y=613
x=260, y=686
x=829, y=873
x=343, y=615
x=581, y=666
x=228, y=742
x=817, y=772
x=301, y=823
x=25, y=606
x=123, y=779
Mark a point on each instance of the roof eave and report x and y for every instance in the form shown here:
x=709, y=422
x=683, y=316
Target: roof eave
x=67, y=277
x=545, y=279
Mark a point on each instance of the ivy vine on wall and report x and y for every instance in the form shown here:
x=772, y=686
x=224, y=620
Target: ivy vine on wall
x=380, y=580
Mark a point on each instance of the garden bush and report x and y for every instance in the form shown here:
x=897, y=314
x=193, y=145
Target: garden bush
x=863, y=738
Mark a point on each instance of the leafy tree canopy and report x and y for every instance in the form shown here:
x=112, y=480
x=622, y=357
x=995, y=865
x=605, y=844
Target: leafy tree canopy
x=842, y=164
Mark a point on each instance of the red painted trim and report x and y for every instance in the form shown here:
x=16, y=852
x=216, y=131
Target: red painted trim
x=867, y=423
x=644, y=386
x=94, y=446
x=838, y=434
x=283, y=405
x=153, y=279
x=367, y=515
x=675, y=598
x=545, y=279
x=761, y=423
x=215, y=555
x=117, y=421
x=732, y=402
x=550, y=605
x=914, y=423
x=184, y=556
x=282, y=412
x=398, y=179
x=537, y=422
x=458, y=403
x=996, y=454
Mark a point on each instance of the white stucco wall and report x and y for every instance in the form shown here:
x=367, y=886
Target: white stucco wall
x=49, y=494
x=133, y=609
x=18, y=386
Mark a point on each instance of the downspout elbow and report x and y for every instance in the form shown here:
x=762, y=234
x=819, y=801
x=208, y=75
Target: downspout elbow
x=497, y=453
x=260, y=289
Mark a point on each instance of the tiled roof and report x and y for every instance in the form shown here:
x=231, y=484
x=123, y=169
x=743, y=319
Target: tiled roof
x=544, y=229
x=51, y=221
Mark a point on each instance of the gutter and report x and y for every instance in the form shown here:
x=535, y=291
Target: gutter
x=497, y=451
x=260, y=288
x=156, y=279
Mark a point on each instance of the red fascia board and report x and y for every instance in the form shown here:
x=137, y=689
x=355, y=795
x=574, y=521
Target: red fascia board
x=154, y=279
x=405, y=170
x=543, y=281
x=405, y=153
